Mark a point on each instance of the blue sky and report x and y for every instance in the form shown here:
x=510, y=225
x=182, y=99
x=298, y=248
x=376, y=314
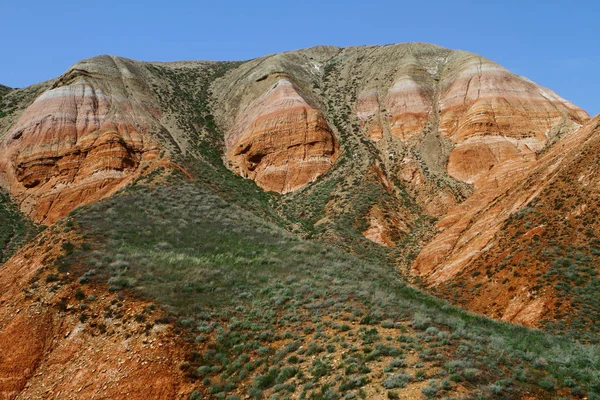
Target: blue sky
x=555, y=43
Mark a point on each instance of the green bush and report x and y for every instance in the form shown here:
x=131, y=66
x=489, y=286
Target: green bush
x=397, y=381
x=546, y=384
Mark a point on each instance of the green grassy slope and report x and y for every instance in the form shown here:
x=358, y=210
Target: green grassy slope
x=4, y=90
x=266, y=312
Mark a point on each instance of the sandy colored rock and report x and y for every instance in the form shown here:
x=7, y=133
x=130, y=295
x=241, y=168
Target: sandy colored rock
x=280, y=141
x=78, y=142
x=406, y=104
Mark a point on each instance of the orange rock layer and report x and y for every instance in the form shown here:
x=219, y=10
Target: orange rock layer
x=71, y=147
x=46, y=351
x=498, y=122
x=495, y=117
x=407, y=107
x=480, y=245
x=281, y=142
x=498, y=159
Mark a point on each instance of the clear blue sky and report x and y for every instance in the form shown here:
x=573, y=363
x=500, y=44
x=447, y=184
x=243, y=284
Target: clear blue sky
x=555, y=43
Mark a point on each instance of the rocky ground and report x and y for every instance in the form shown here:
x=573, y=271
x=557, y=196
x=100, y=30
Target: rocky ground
x=430, y=166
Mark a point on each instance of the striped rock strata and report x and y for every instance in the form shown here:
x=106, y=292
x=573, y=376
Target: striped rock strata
x=74, y=145
x=280, y=141
x=499, y=123
x=494, y=116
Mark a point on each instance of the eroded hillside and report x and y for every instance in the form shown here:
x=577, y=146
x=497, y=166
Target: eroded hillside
x=248, y=229
x=540, y=261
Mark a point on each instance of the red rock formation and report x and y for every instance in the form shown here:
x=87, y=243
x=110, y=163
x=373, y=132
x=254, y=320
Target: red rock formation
x=494, y=116
x=407, y=107
x=502, y=165
x=71, y=147
x=498, y=121
x=554, y=204
x=383, y=226
x=47, y=351
x=280, y=141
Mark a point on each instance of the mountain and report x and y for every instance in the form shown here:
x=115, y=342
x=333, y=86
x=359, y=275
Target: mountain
x=4, y=90
x=536, y=261
x=260, y=228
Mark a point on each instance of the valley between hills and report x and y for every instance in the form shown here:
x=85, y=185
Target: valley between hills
x=379, y=222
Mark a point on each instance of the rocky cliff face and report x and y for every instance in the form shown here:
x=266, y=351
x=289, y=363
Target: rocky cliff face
x=276, y=132
x=81, y=140
x=280, y=141
x=523, y=246
x=498, y=123
x=494, y=116
x=437, y=118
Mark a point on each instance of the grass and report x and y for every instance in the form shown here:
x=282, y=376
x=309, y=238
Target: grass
x=15, y=228
x=269, y=312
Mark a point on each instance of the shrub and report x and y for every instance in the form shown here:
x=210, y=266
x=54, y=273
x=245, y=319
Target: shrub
x=369, y=319
x=495, y=389
x=286, y=373
x=430, y=391
x=397, y=381
x=268, y=380
x=255, y=393
x=319, y=368
x=472, y=374
x=546, y=384
x=421, y=321
x=395, y=363
x=354, y=383
x=79, y=294
x=432, y=330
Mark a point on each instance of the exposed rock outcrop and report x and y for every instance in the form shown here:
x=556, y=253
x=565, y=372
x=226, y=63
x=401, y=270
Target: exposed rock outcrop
x=80, y=141
x=504, y=241
x=493, y=116
x=499, y=123
x=407, y=106
x=280, y=141
x=52, y=347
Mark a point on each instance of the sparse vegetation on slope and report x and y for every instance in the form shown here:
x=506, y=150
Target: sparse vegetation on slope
x=549, y=248
x=185, y=95
x=267, y=313
x=304, y=294
x=15, y=228
x=3, y=91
